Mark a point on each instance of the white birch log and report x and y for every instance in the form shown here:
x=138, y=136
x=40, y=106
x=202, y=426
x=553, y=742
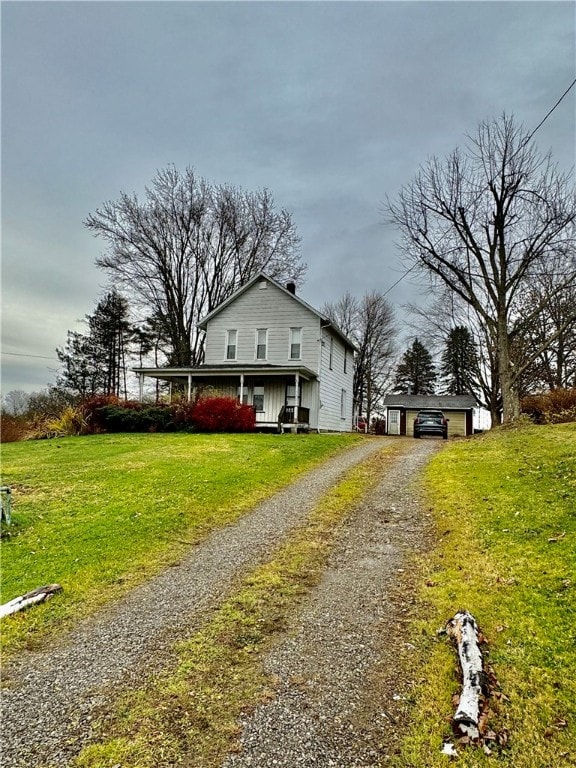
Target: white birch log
x=30, y=598
x=464, y=630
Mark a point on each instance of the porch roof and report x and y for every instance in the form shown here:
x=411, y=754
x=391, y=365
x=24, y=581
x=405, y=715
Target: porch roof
x=227, y=369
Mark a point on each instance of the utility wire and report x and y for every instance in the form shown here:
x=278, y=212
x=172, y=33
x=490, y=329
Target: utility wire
x=547, y=115
x=41, y=357
x=526, y=140
x=386, y=292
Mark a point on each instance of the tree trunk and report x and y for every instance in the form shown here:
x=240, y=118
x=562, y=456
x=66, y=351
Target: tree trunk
x=510, y=399
x=38, y=595
x=464, y=631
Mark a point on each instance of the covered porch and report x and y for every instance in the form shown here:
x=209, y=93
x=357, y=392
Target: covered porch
x=283, y=398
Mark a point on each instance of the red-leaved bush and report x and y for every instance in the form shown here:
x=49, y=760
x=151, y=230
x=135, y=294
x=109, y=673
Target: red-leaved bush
x=222, y=414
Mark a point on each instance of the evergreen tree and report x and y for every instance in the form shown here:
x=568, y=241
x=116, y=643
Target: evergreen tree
x=95, y=362
x=459, y=362
x=111, y=333
x=416, y=374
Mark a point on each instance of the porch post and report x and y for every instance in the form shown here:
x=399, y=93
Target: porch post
x=297, y=397
x=241, y=388
x=141, y=386
x=170, y=393
x=189, y=386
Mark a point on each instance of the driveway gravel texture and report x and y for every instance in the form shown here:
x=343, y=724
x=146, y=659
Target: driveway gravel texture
x=333, y=673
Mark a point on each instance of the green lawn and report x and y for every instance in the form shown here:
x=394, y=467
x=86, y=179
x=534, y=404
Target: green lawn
x=505, y=511
x=99, y=514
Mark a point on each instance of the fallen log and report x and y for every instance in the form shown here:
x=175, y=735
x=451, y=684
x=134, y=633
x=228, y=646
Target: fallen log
x=464, y=631
x=38, y=595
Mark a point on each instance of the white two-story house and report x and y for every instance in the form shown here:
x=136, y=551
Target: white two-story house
x=272, y=350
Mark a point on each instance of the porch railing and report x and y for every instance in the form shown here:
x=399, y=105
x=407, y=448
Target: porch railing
x=291, y=414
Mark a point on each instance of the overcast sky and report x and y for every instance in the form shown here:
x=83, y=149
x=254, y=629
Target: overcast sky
x=330, y=105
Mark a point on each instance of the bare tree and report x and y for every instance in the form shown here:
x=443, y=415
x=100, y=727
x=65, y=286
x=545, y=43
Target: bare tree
x=435, y=321
x=555, y=364
x=16, y=402
x=484, y=222
x=188, y=246
x=369, y=323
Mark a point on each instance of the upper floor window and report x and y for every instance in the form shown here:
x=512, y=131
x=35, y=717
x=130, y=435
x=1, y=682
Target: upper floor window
x=345, y=359
x=295, y=343
x=231, y=343
x=261, y=343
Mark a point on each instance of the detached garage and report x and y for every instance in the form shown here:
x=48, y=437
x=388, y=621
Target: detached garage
x=401, y=410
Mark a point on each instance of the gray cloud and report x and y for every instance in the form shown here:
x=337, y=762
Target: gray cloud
x=331, y=105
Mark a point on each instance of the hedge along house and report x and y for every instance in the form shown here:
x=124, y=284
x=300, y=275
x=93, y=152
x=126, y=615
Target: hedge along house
x=401, y=410
x=270, y=349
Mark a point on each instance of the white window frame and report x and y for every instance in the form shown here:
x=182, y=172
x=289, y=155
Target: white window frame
x=229, y=333
x=295, y=333
x=331, y=353
x=265, y=345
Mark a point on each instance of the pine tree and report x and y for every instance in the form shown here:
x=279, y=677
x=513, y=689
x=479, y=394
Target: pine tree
x=95, y=362
x=459, y=362
x=416, y=374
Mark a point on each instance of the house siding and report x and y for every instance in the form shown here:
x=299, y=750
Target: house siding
x=332, y=382
x=265, y=304
x=274, y=393
x=268, y=308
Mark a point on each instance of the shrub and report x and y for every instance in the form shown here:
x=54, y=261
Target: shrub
x=127, y=418
x=13, y=428
x=70, y=422
x=183, y=413
x=92, y=406
x=223, y=414
x=554, y=407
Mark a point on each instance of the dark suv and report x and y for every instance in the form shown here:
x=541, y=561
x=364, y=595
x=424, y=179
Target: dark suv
x=430, y=423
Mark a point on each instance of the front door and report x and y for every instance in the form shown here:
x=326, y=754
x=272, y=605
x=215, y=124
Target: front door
x=393, y=422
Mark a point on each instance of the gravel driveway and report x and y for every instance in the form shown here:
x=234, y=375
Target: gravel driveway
x=336, y=674
x=333, y=674
x=49, y=695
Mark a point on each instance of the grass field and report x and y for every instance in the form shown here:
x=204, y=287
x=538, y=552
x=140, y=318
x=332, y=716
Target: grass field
x=505, y=511
x=99, y=514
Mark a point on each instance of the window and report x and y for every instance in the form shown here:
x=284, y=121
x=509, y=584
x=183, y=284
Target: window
x=295, y=343
x=331, y=357
x=231, y=338
x=345, y=359
x=291, y=395
x=261, y=343
x=343, y=404
x=258, y=399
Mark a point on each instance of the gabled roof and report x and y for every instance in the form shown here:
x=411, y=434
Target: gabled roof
x=441, y=402
x=263, y=276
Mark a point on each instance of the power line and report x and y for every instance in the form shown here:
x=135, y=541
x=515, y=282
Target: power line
x=526, y=140
x=41, y=357
x=547, y=115
x=386, y=292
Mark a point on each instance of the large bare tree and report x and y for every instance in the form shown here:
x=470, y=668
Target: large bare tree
x=485, y=222
x=188, y=245
x=369, y=323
